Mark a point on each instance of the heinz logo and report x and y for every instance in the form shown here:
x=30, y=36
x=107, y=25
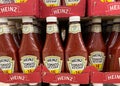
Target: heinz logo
x=17, y=78
x=62, y=78
x=61, y=11
x=113, y=7
x=113, y=77
x=5, y=9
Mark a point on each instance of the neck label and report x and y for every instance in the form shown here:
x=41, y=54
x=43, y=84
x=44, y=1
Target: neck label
x=28, y=29
x=4, y=29
x=52, y=28
x=74, y=28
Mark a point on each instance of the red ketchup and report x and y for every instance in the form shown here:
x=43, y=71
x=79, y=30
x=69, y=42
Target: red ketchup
x=75, y=52
x=111, y=41
x=53, y=53
x=96, y=46
x=8, y=49
x=29, y=51
x=113, y=48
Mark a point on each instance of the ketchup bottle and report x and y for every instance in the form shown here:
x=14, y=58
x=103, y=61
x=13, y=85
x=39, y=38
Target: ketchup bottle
x=53, y=54
x=29, y=51
x=8, y=49
x=52, y=3
x=113, y=47
x=112, y=40
x=14, y=33
x=96, y=46
x=75, y=52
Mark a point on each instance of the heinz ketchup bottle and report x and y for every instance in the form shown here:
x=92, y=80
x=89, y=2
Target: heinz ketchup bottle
x=96, y=46
x=111, y=41
x=75, y=52
x=8, y=49
x=29, y=51
x=114, y=48
x=53, y=53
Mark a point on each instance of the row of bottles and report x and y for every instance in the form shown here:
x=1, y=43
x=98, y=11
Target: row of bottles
x=26, y=55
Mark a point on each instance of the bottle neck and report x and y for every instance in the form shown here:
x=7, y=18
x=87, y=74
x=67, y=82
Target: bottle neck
x=75, y=28
x=96, y=28
x=28, y=29
x=52, y=28
x=116, y=28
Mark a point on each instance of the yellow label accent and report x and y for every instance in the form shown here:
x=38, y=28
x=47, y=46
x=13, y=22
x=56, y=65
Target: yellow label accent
x=107, y=0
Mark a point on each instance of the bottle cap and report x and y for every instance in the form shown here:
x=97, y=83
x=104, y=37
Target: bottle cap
x=11, y=23
x=51, y=19
x=96, y=20
x=116, y=20
x=3, y=20
x=74, y=19
x=74, y=84
x=27, y=19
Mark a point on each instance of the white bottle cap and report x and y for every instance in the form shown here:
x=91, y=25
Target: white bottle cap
x=116, y=20
x=97, y=84
x=54, y=84
x=74, y=84
x=27, y=19
x=3, y=20
x=74, y=19
x=51, y=19
x=11, y=23
x=96, y=20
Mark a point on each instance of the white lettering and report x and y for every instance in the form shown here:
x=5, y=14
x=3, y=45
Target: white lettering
x=59, y=11
x=9, y=9
x=114, y=7
x=65, y=78
x=17, y=78
x=111, y=77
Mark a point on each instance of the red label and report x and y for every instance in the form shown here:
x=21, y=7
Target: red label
x=61, y=11
x=11, y=8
